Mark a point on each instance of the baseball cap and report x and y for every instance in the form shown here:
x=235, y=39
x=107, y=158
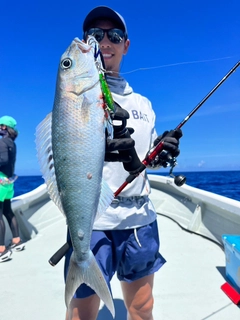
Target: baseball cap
x=103, y=12
x=8, y=121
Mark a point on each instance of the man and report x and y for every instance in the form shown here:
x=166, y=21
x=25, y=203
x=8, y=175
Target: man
x=128, y=229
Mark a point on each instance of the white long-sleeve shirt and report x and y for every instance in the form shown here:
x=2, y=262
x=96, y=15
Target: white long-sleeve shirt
x=127, y=213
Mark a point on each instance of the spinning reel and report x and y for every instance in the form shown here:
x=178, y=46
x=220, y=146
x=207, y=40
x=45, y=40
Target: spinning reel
x=180, y=179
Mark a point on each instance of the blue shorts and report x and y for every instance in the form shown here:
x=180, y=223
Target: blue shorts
x=121, y=251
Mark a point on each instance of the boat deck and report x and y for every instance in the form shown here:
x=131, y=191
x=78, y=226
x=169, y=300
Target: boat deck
x=186, y=288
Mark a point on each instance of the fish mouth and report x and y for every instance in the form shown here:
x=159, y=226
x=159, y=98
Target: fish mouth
x=83, y=46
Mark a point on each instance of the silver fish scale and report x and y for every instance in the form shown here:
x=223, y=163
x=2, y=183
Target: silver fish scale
x=78, y=142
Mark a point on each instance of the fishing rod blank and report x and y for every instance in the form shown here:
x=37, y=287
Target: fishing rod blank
x=159, y=147
x=208, y=95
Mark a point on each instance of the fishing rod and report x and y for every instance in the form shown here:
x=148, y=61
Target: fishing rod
x=179, y=180
x=149, y=158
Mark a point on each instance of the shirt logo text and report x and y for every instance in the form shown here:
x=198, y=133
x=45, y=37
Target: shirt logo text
x=139, y=115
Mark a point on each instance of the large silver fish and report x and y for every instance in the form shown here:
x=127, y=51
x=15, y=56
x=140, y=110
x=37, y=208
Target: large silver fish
x=70, y=147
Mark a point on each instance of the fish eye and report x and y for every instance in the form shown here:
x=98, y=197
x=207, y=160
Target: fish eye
x=66, y=63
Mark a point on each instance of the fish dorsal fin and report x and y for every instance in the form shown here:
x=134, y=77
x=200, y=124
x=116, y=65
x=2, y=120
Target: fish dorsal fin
x=45, y=158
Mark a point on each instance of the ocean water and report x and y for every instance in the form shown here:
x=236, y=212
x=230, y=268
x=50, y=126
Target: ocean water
x=225, y=183
x=26, y=184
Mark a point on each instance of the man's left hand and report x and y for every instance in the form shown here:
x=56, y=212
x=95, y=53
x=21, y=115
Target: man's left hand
x=170, y=141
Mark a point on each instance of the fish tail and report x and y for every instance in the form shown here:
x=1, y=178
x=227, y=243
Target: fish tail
x=87, y=272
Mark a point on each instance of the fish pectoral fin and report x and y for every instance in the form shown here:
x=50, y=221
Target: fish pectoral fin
x=87, y=272
x=106, y=198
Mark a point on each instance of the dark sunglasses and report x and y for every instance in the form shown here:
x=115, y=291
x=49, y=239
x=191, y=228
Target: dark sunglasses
x=114, y=35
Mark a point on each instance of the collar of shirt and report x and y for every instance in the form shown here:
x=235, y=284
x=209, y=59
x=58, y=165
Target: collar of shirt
x=118, y=85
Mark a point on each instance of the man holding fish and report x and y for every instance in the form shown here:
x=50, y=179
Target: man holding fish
x=125, y=237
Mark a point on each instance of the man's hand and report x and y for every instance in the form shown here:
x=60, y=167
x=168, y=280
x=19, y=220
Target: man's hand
x=170, y=141
x=170, y=150
x=120, y=140
x=123, y=144
x=116, y=145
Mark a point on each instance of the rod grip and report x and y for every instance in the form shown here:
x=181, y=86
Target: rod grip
x=59, y=254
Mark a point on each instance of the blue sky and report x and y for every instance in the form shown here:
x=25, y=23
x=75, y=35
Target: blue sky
x=180, y=49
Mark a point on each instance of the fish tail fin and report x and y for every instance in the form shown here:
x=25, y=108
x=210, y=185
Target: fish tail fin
x=87, y=272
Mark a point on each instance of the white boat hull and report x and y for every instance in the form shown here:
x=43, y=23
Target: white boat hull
x=186, y=288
